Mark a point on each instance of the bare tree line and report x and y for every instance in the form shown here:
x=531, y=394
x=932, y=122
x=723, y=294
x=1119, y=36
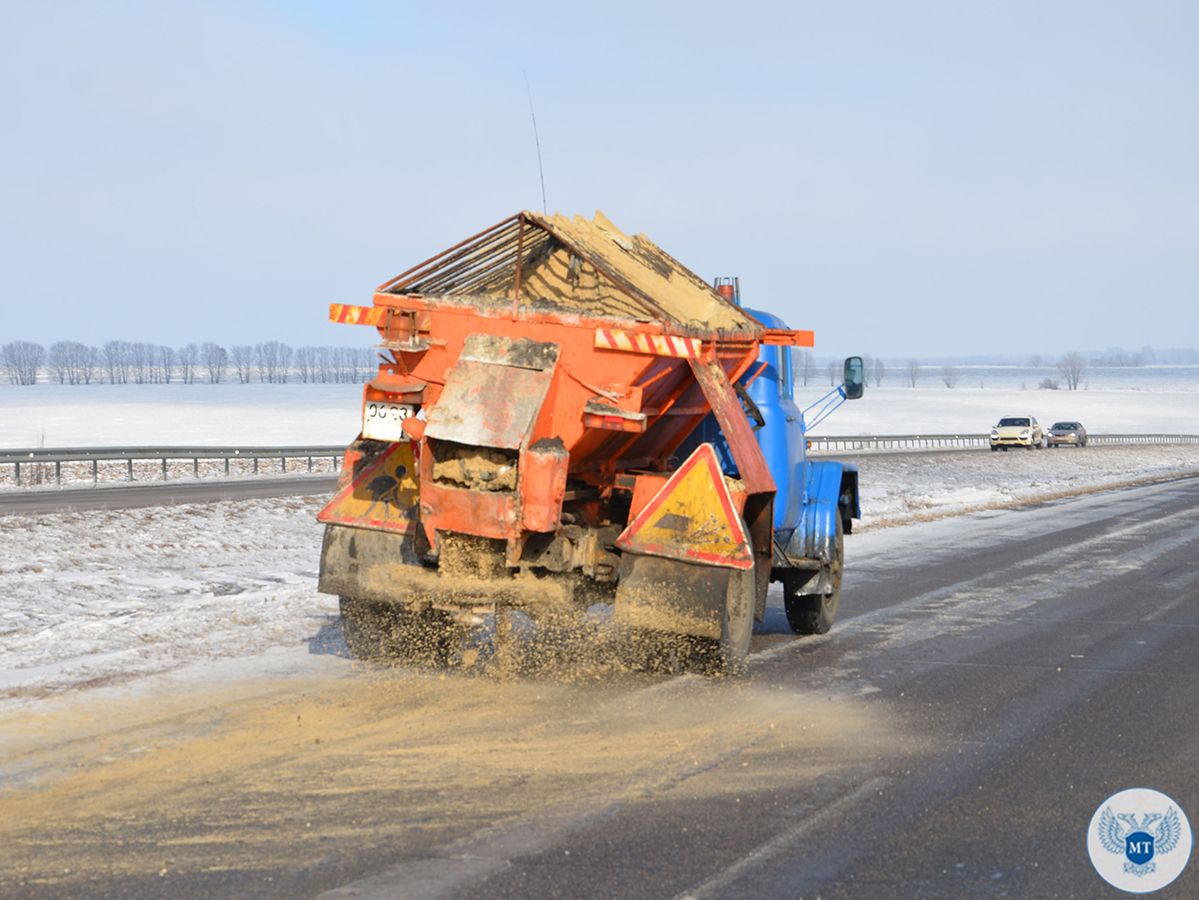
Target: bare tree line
x=130, y=362
x=806, y=369
x=273, y=362
x=1072, y=367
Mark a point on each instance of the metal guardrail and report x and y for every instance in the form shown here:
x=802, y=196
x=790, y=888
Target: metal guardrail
x=25, y=460
x=1144, y=438
x=967, y=441
x=41, y=458
x=898, y=441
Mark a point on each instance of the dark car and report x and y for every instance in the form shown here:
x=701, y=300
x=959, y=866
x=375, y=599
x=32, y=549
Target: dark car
x=1067, y=434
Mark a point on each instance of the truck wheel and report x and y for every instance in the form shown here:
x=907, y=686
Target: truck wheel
x=386, y=631
x=737, y=627
x=815, y=613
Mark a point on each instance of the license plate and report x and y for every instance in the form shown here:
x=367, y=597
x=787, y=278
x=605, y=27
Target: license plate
x=381, y=421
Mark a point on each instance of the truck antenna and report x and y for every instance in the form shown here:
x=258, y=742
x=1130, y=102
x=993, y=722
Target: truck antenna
x=536, y=140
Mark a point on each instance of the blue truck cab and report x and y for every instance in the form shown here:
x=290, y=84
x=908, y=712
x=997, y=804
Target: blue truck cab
x=816, y=501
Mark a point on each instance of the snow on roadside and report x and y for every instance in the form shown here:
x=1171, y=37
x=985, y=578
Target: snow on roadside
x=95, y=597
x=92, y=598
x=899, y=488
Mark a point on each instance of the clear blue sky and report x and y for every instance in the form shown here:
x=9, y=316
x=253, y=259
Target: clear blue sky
x=908, y=179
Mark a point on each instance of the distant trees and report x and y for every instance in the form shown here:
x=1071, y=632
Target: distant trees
x=1117, y=357
x=189, y=362
x=1072, y=367
x=359, y=363
x=913, y=372
x=141, y=359
x=306, y=364
x=876, y=369
x=342, y=364
x=116, y=361
x=73, y=362
x=22, y=359
x=805, y=367
x=242, y=357
x=164, y=364
x=216, y=361
x=139, y=362
x=125, y=362
x=272, y=360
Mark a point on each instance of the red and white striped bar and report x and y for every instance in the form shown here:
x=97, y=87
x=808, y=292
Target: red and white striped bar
x=347, y=314
x=652, y=344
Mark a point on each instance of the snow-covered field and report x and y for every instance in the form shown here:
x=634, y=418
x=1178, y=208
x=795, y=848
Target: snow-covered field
x=52, y=415
x=108, y=415
x=929, y=410
x=97, y=597
x=89, y=599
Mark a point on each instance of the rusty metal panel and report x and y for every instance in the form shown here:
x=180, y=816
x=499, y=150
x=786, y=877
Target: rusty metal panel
x=751, y=464
x=523, y=353
x=494, y=392
x=645, y=487
x=543, y=484
x=493, y=515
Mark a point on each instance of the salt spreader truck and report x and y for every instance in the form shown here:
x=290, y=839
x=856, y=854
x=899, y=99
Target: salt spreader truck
x=566, y=415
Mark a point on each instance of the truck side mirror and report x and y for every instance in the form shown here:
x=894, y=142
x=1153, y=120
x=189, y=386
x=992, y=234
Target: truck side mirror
x=855, y=378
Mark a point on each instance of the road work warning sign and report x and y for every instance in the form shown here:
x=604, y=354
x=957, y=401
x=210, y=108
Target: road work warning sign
x=692, y=518
x=383, y=492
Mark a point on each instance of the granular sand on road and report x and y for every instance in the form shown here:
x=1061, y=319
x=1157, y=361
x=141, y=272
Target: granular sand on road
x=265, y=776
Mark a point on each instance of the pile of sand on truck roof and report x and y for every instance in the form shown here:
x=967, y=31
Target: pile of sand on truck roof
x=574, y=265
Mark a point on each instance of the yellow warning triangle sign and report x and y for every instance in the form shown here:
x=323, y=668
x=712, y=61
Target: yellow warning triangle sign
x=383, y=492
x=692, y=518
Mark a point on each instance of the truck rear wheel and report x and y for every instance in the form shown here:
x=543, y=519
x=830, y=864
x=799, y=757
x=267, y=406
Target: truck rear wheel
x=815, y=613
x=737, y=627
x=388, y=631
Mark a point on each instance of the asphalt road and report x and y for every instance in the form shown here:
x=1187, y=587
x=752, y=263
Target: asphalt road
x=993, y=678
x=166, y=493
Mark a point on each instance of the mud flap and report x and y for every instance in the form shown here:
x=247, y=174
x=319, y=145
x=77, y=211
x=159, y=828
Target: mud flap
x=366, y=563
x=672, y=596
x=383, y=567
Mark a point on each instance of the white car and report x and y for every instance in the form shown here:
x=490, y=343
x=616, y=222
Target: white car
x=1017, y=431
